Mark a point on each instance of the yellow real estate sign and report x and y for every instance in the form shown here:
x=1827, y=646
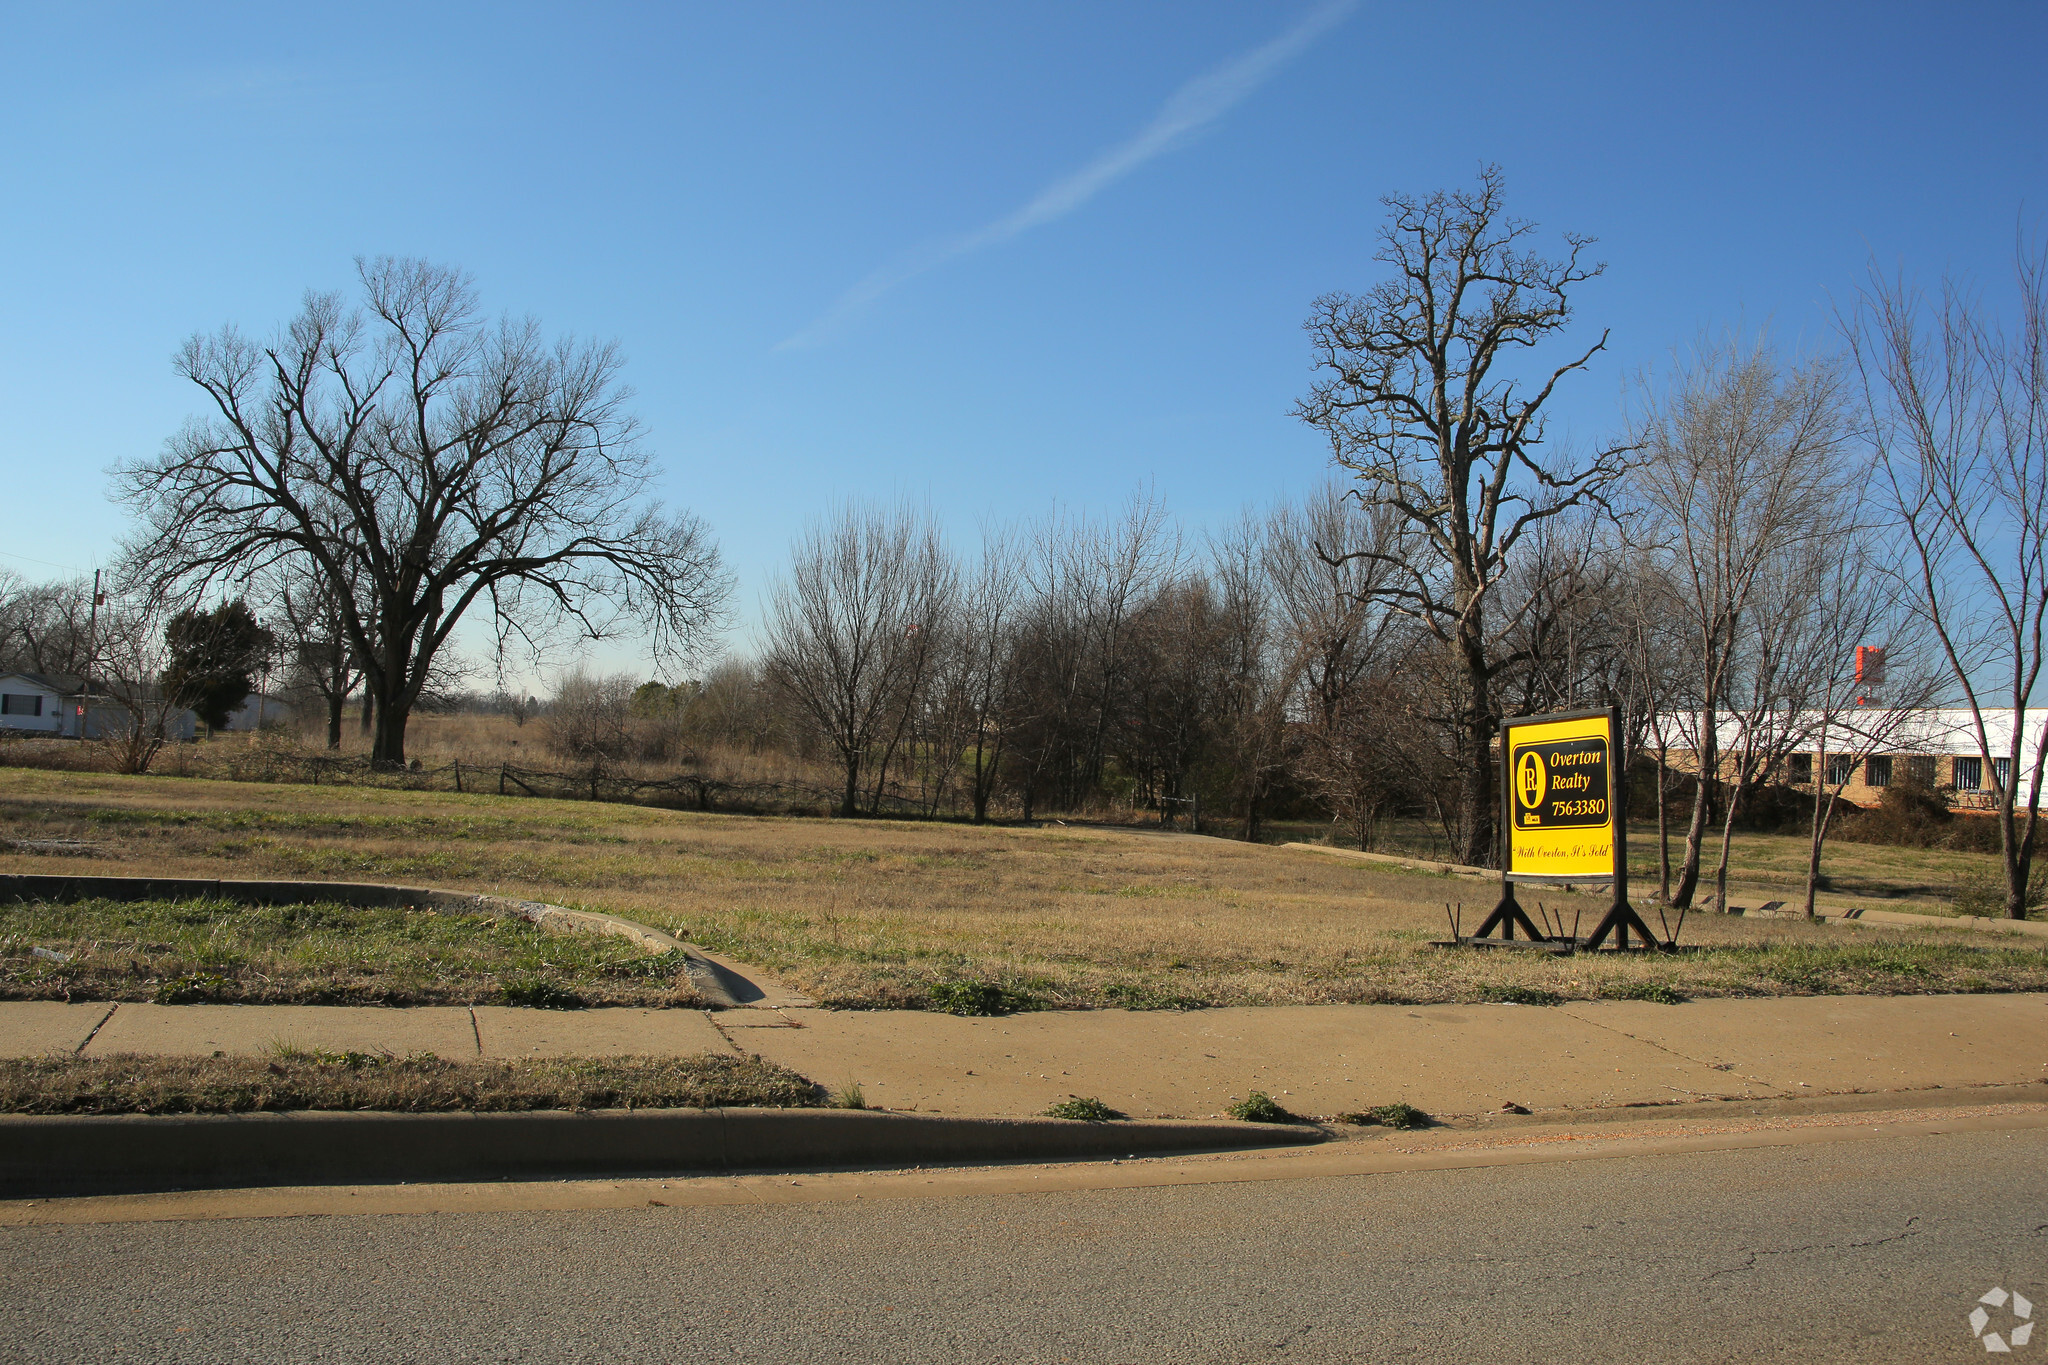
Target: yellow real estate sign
x=1561, y=817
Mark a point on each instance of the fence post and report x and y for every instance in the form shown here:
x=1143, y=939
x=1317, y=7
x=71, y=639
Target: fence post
x=458, y=774
x=501, y=776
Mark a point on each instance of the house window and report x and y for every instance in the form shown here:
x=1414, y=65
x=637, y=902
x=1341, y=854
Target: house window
x=1969, y=774
x=21, y=703
x=1877, y=770
x=1802, y=769
x=1841, y=768
x=2001, y=773
x=1917, y=770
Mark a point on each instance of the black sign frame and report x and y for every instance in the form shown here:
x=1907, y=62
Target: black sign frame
x=1621, y=920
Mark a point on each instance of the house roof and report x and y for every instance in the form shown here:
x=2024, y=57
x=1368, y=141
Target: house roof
x=59, y=686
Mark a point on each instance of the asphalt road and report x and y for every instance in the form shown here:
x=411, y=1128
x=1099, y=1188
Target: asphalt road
x=1870, y=1250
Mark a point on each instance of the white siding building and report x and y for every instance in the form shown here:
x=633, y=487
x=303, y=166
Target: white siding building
x=35, y=705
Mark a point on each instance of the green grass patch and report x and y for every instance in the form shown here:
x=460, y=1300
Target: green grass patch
x=1516, y=994
x=298, y=1080
x=212, y=952
x=978, y=998
x=1655, y=992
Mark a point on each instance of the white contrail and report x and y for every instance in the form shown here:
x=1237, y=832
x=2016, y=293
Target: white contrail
x=1194, y=106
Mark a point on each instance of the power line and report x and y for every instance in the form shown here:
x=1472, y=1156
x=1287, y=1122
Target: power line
x=28, y=559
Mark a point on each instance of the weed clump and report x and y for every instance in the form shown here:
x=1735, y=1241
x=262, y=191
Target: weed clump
x=1129, y=995
x=1389, y=1116
x=1656, y=992
x=658, y=967
x=1259, y=1107
x=977, y=999
x=1084, y=1107
x=196, y=988
x=539, y=993
x=1519, y=995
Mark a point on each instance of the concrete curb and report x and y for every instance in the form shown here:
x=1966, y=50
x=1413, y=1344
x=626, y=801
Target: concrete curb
x=73, y=1154
x=716, y=981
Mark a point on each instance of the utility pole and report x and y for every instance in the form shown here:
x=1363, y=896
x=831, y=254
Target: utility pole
x=92, y=629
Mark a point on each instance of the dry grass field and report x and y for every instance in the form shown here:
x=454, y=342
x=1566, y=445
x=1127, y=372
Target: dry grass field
x=886, y=914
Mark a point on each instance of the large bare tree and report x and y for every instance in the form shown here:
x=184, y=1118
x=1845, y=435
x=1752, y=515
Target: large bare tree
x=1744, y=487
x=1419, y=397
x=1958, y=418
x=428, y=462
x=854, y=630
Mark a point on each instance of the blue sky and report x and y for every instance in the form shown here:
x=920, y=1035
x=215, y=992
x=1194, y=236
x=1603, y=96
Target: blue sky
x=1095, y=228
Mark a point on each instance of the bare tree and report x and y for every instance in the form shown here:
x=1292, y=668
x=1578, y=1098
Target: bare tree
x=848, y=630
x=319, y=659
x=1655, y=644
x=1417, y=401
x=1329, y=560
x=46, y=627
x=135, y=703
x=1958, y=419
x=1859, y=600
x=985, y=658
x=589, y=717
x=1086, y=581
x=1258, y=669
x=1745, y=469
x=437, y=462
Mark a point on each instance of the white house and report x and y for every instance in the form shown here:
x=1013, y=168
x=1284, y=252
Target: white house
x=258, y=710
x=32, y=704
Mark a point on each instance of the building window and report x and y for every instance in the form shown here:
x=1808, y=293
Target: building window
x=1841, y=768
x=2001, y=773
x=1877, y=770
x=1802, y=769
x=1969, y=774
x=1917, y=770
x=21, y=704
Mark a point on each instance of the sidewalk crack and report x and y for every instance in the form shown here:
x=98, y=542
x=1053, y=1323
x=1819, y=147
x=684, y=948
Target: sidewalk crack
x=711, y=1018
x=79, y=1051
x=1671, y=1051
x=474, y=1031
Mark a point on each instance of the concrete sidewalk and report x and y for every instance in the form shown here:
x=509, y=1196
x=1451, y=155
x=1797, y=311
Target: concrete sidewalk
x=1316, y=1059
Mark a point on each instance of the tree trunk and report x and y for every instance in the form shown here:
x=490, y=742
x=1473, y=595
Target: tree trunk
x=1663, y=824
x=849, y=804
x=1477, y=796
x=388, y=749
x=1727, y=839
x=335, y=702
x=1707, y=767
x=1823, y=814
x=369, y=718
